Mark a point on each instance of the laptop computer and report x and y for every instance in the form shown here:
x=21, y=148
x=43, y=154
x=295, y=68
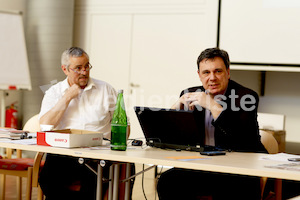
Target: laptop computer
x=172, y=129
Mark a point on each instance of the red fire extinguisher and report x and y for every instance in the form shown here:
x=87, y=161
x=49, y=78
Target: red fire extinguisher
x=11, y=118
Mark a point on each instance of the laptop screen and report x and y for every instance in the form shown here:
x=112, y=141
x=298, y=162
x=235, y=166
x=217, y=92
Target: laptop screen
x=167, y=128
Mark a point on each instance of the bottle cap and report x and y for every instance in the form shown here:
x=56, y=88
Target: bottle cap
x=120, y=91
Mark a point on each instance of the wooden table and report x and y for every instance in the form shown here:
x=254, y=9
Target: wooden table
x=233, y=162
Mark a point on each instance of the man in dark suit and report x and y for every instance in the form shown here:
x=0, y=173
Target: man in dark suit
x=230, y=111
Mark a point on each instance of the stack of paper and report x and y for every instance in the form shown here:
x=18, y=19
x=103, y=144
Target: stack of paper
x=280, y=157
x=11, y=133
x=286, y=164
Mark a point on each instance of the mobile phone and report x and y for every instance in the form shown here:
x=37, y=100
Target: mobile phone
x=294, y=159
x=137, y=143
x=212, y=153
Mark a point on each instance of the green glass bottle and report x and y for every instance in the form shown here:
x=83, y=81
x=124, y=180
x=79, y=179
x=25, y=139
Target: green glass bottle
x=119, y=125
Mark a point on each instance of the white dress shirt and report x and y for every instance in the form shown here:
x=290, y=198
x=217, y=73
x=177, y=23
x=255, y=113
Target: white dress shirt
x=209, y=128
x=91, y=110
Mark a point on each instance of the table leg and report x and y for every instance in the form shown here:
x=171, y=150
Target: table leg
x=127, y=183
x=116, y=181
x=99, y=182
x=278, y=189
x=111, y=181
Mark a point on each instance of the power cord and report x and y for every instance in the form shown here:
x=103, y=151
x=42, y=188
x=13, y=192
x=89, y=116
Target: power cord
x=143, y=178
x=143, y=182
x=157, y=181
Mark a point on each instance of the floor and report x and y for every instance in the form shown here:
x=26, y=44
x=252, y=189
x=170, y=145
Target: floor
x=148, y=185
x=11, y=192
x=144, y=186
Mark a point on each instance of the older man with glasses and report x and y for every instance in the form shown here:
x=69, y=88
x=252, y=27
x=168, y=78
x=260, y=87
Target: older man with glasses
x=78, y=102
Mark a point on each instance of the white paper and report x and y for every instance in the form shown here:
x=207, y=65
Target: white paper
x=280, y=157
x=23, y=141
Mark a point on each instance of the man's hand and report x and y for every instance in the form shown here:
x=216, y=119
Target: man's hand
x=72, y=92
x=189, y=101
x=53, y=116
x=201, y=98
x=182, y=103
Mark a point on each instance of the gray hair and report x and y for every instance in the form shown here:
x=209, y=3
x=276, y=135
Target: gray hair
x=71, y=52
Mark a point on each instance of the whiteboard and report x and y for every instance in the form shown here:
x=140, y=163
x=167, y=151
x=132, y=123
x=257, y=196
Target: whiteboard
x=261, y=31
x=14, y=62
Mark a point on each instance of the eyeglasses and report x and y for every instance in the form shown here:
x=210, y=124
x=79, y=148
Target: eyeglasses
x=80, y=70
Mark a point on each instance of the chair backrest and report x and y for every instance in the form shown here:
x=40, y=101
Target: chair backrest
x=271, y=121
x=267, y=122
x=32, y=125
x=269, y=142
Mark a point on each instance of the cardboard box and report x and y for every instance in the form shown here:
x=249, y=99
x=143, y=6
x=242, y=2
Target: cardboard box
x=69, y=138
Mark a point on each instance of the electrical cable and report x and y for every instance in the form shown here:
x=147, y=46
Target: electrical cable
x=157, y=177
x=143, y=182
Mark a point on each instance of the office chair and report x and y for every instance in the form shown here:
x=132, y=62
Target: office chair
x=271, y=145
x=268, y=121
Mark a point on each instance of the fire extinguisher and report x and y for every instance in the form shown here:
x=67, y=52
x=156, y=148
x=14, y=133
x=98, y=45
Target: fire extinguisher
x=11, y=118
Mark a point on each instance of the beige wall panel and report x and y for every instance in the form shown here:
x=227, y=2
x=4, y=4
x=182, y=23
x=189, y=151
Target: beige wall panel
x=165, y=48
x=148, y=48
x=110, y=49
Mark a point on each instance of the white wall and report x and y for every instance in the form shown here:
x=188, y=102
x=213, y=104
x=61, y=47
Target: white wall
x=261, y=31
x=13, y=96
x=282, y=92
x=17, y=5
x=145, y=47
x=48, y=30
x=282, y=96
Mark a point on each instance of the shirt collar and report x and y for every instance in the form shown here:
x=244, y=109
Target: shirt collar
x=65, y=85
x=90, y=84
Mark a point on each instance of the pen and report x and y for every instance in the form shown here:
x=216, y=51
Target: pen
x=294, y=159
x=24, y=135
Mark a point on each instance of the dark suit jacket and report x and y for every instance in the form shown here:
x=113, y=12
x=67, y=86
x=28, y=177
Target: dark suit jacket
x=236, y=128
